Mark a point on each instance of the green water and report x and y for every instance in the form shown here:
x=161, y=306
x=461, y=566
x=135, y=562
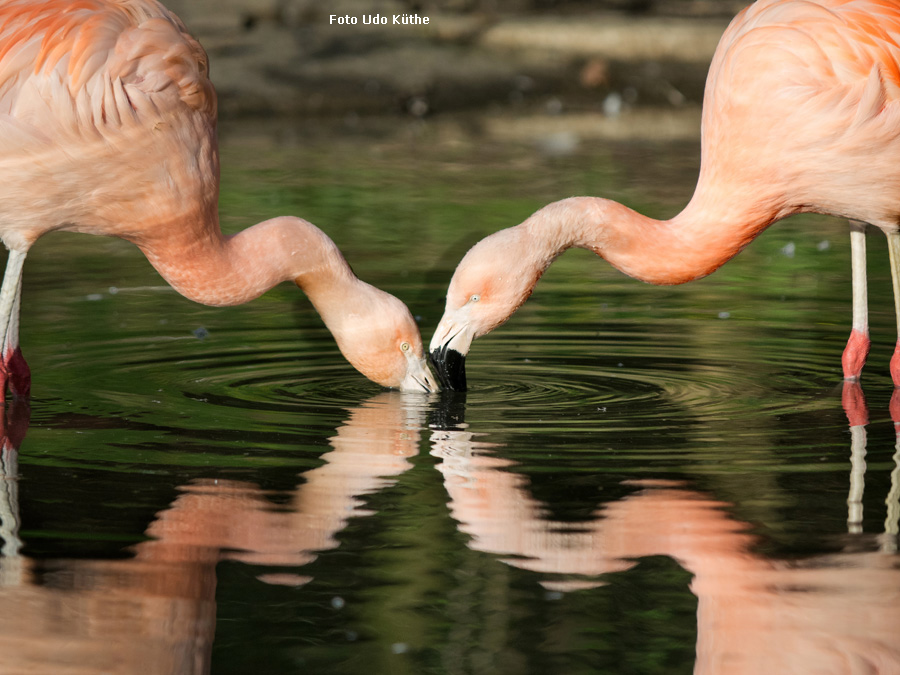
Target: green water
x=640, y=479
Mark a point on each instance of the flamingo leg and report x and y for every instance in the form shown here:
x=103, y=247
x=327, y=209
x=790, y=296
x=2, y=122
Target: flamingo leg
x=14, y=372
x=894, y=251
x=857, y=349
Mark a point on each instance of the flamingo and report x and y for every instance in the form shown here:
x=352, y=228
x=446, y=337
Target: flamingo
x=108, y=127
x=801, y=113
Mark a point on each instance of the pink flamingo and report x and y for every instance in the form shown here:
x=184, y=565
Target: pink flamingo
x=108, y=126
x=801, y=114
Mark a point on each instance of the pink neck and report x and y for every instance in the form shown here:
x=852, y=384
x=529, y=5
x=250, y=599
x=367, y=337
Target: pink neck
x=207, y=267
x=691, y=245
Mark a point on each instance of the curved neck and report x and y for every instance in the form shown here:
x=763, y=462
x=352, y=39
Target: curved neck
x=205, y=266
x=691, y=245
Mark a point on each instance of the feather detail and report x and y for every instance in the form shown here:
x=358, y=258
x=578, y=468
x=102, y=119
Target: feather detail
x=107, y=63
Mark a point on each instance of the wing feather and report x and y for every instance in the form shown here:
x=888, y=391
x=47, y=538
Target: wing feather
x=102, y=64
x=795, y=82
x=823, y=44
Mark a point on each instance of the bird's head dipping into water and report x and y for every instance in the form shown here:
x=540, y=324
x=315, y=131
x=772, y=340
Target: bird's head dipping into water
x=379, y=337
x=489, y=285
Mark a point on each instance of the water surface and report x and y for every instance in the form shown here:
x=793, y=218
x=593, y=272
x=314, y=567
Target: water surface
x=640, y=479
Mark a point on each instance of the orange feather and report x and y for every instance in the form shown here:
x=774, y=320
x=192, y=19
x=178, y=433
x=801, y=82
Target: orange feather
x=801, y=113
x=108, y=126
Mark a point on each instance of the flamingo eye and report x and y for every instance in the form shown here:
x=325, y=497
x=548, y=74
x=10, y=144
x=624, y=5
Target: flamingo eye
x=475, y=298
x=405, y=347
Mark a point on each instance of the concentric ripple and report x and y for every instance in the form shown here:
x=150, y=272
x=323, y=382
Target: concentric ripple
x=638, y=380
x=568, y=379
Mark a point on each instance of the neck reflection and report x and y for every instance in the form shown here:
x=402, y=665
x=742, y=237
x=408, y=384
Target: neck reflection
x=156, y=612
x=828, y=613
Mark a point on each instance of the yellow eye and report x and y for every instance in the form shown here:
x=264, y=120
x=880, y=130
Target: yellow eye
x=405, y=347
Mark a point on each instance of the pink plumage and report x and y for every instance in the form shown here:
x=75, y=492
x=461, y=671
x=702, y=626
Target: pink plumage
x=108, y=126
x=801, y=113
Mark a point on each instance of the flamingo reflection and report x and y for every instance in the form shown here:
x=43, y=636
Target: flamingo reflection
x=854, y=403
x=218, y=520
x=828, y=614
x=155, y=612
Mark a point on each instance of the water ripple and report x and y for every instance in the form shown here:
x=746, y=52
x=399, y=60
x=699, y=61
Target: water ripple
x=571, y=378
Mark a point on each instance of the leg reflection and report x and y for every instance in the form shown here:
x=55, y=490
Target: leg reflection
x=13, y=425
x=854, y=403
x=892, y=502
x=855, y=407
x=755, y=613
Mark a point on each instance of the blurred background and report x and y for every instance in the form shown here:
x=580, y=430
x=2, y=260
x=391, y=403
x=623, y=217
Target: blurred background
x=283, y=56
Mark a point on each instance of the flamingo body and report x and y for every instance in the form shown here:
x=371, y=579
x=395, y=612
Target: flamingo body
x=108, y=127
x=801, y=114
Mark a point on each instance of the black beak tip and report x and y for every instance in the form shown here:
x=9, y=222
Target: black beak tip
x=450, y=367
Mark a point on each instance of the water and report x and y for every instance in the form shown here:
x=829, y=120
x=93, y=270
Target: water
x=640, y=479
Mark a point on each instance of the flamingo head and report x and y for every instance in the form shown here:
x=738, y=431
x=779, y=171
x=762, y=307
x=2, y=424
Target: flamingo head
x=381, y=340
x=491, y=282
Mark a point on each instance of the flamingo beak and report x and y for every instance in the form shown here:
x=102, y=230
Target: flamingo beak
x=418, y=376
x=449, y=347
x=450, y=367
